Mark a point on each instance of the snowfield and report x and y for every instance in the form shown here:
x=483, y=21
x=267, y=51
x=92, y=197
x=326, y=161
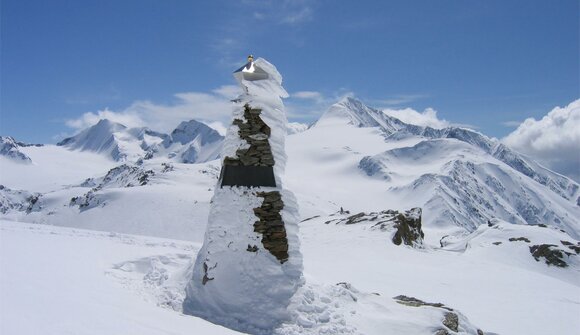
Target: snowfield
x=71, y=281
x=59, y=280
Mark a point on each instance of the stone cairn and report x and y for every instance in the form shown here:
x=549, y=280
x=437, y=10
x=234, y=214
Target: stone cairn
x=256, y=133
x=271, y=225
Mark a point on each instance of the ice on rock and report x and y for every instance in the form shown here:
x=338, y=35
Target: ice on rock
x=250, y=265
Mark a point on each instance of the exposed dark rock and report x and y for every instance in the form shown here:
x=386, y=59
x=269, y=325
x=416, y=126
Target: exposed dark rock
x=571, y=246
x=414, y=302
x=167, y=167
x=442, y=332
x=310, y=218
x=514, y=239
x=496, y=243
x=409, y=228
x=205, y=278
x=148, y=155
x=252, y=248
x=451, y=321
x=271, y=225
x=32, y=203
x=551, y=255
x=407, y=224
x=355, y=218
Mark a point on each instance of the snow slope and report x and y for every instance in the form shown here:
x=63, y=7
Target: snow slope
x=119, y=284
x=69, y=281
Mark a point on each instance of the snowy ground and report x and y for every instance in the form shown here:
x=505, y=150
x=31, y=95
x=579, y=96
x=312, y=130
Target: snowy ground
x=71, y=281
x=59, y=280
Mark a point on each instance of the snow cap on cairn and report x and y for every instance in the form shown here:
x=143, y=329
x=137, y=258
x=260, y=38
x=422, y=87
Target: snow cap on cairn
x=260, y=78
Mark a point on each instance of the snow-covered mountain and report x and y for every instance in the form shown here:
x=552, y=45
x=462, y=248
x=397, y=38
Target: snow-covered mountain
x=459, y=176
x=106, y=137
x=499, y=229
x=193, y=142
x=11, y=149
x=190, y=142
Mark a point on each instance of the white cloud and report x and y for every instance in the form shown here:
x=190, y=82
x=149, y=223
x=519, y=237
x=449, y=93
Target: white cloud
x=401, y=99
x=307, y=95
x=128, y=118
x=554, y=140
x=290, y=12
x=298, y=16
x=511, y=123
x=307, y=106
x=228, y=91
x=213, y=107
x=428, y=118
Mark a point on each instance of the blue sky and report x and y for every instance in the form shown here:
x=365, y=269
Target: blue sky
x=490, y=64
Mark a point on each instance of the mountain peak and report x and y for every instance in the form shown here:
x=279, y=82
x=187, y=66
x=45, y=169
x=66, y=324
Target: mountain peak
x=188, y=131
x=349, y=100
x=97, y=138
x=10, y=148
x=350, y=111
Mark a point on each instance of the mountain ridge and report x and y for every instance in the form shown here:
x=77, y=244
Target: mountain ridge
x=361, y=115
x=185, y=143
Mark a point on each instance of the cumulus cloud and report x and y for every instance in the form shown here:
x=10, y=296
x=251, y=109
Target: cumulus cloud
x=428, y=118
x=553, y=141
x=128, y=118
x=213, y=108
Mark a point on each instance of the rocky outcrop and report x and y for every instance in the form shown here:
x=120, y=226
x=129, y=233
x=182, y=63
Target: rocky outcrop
x=408, y=227
x=18, y=200
x=571, y=246
x=405, y=225
x=271, y=226
x=551, y=254
x=121, y=176
x=450, y=322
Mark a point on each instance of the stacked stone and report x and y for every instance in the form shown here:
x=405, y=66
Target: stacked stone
x=256, y=133
x=271, y=225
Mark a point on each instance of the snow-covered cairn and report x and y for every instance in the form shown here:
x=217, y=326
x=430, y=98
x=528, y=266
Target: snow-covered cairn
x=250, y=264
